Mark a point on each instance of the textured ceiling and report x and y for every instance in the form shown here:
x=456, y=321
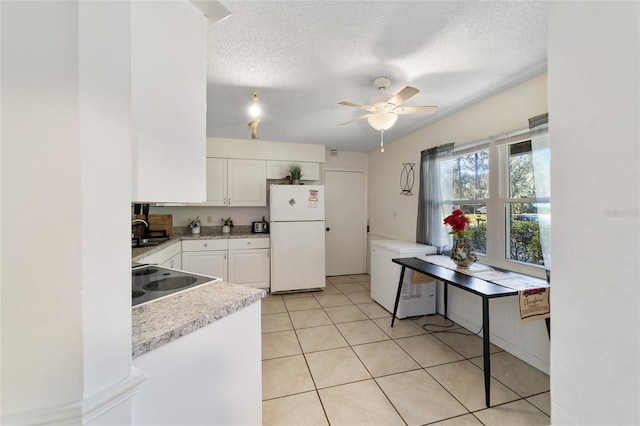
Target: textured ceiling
x=303, y=57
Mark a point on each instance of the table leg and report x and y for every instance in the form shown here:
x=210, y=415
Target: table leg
x=395, y=307
x=486, y=355
x=446, y=298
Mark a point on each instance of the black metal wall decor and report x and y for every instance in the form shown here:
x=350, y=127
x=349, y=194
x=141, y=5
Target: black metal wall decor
x=407, y=178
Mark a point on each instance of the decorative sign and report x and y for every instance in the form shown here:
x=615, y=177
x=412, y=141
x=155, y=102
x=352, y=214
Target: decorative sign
x=313, y=198
x=407, y=178
x=534, y=304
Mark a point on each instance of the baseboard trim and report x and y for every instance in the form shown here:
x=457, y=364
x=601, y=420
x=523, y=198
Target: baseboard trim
x=84, y=411
x=504, y=344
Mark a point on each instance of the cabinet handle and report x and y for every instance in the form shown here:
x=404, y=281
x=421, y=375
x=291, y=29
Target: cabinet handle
x=205, y=244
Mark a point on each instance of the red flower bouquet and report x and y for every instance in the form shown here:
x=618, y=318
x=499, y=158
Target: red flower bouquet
x=458, y=222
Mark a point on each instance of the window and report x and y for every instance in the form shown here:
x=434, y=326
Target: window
x=523, y=235
x=493, y=184
x=470, y=192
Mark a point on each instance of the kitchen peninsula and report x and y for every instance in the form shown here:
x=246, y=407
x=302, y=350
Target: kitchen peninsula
x=201, y=352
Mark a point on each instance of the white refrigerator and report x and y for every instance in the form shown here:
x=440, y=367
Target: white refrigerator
x=297, y=237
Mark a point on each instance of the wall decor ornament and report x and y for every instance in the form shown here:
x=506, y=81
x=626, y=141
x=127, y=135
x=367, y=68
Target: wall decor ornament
x=407, y=178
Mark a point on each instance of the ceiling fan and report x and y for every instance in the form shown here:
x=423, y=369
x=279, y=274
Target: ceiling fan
x=385, y=108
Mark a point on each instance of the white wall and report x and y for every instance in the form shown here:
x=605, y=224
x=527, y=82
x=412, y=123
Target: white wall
x=346, y=160
x=594, y=114
x=66, y=323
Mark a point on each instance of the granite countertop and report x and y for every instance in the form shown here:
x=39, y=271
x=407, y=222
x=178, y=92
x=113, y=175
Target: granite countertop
x=138, y=254
x=165, y=320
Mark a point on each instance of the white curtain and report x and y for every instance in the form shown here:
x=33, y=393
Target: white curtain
x=541, y=155
x=434, y=204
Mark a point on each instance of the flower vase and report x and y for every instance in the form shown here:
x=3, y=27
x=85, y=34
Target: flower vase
x=462, y=252
x=226, y=229
x=195, y=230
x=295, y=181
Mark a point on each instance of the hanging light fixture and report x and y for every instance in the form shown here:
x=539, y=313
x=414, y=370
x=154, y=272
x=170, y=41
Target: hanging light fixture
x=254, y=109
x=253, y=125
x=382, y=120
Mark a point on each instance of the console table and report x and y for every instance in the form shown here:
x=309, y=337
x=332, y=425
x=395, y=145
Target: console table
x=484, y=289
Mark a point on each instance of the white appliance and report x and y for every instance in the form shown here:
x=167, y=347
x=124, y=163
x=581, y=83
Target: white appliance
x=415, y=299
x=297, y=237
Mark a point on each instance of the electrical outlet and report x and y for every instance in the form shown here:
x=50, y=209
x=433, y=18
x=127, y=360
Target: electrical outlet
x=209, y=219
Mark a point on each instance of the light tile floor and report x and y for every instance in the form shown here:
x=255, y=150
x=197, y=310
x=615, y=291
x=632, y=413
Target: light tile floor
x=331, y=357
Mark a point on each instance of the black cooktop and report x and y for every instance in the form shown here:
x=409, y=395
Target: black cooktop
x=154, y=282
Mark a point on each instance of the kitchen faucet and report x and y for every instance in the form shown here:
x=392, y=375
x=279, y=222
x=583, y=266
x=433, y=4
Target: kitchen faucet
x=134, y=223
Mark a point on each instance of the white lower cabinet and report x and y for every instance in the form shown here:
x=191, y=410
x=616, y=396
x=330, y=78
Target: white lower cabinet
x=174, y=263
x=164, y=256
x=206, y=257
x=211, y=376
x=237, y=260
x=249, y=262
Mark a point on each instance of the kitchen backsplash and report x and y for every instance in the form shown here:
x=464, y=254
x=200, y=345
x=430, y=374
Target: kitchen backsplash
x=241, y=216
x=207, y=230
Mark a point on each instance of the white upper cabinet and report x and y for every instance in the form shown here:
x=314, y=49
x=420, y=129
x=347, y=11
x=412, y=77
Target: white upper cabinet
x=247, y=183
x=278, y=169
x=168, y=101
x=236, y=183
x=216, y=182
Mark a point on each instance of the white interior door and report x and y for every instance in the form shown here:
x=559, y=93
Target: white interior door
x=345, y=203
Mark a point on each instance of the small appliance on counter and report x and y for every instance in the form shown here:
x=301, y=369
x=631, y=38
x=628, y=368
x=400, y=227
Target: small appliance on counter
x=260, y=227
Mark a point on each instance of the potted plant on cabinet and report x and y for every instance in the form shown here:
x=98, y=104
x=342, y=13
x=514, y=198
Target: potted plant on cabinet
x=295, y=171
x=194, y=224
x=227, y=224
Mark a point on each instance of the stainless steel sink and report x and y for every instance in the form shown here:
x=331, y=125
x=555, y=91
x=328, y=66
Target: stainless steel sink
x=147, y=242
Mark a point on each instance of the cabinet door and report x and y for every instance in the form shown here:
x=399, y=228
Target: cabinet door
x=163, y=256
x=168, y=101
x=249, y=267
x=277, y=169
x=174, y=263
x=211, y=263
x=216, y=182
x=247, y=182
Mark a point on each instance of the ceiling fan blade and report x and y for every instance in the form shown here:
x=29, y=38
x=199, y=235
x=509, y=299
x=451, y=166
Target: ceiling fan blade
x=351, y=104
x=402, y=96
x=415, y=110
x=355, y=119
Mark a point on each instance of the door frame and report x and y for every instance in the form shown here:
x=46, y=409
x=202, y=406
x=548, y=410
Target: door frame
x=365, y=201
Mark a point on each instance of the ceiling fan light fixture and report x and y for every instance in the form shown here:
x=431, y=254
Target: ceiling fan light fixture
x=382, y=120
x=254, y=109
